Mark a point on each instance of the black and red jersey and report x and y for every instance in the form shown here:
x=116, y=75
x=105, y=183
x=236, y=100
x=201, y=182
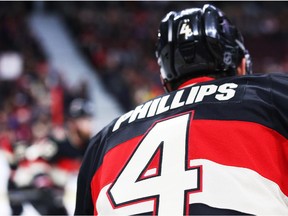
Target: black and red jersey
x=214, y=147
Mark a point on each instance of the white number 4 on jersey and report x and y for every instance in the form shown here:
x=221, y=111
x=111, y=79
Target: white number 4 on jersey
x=168, y=189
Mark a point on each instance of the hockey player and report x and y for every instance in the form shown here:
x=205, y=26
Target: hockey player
x=216, y=143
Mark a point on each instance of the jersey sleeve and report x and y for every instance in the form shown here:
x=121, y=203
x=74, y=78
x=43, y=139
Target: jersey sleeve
x=279, y=94
x=84, y=203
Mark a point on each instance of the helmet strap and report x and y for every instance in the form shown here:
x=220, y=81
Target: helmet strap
x=166, y=85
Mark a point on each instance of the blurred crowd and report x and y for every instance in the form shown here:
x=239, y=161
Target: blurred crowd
x=119, y=39
x=45, y=126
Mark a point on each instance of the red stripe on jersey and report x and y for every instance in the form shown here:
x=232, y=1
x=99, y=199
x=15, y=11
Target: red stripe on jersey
x=242, y=144
x=113, y=162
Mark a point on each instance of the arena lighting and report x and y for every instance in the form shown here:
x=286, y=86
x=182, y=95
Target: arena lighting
x=11, y=65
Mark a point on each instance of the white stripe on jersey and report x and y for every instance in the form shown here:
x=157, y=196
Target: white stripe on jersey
x=240, y=189
x=104, y=206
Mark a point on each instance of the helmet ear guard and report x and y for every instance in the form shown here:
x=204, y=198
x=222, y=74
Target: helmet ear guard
x=198, y=41
x=248, y=60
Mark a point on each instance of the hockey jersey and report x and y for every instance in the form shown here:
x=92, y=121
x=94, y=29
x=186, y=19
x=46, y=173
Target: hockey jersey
x=214, y=147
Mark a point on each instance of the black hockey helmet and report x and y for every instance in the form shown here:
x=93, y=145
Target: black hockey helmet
x=80, y=107
x=199, y=41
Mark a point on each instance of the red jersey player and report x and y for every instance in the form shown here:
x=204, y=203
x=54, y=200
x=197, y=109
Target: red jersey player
x=215, y=143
